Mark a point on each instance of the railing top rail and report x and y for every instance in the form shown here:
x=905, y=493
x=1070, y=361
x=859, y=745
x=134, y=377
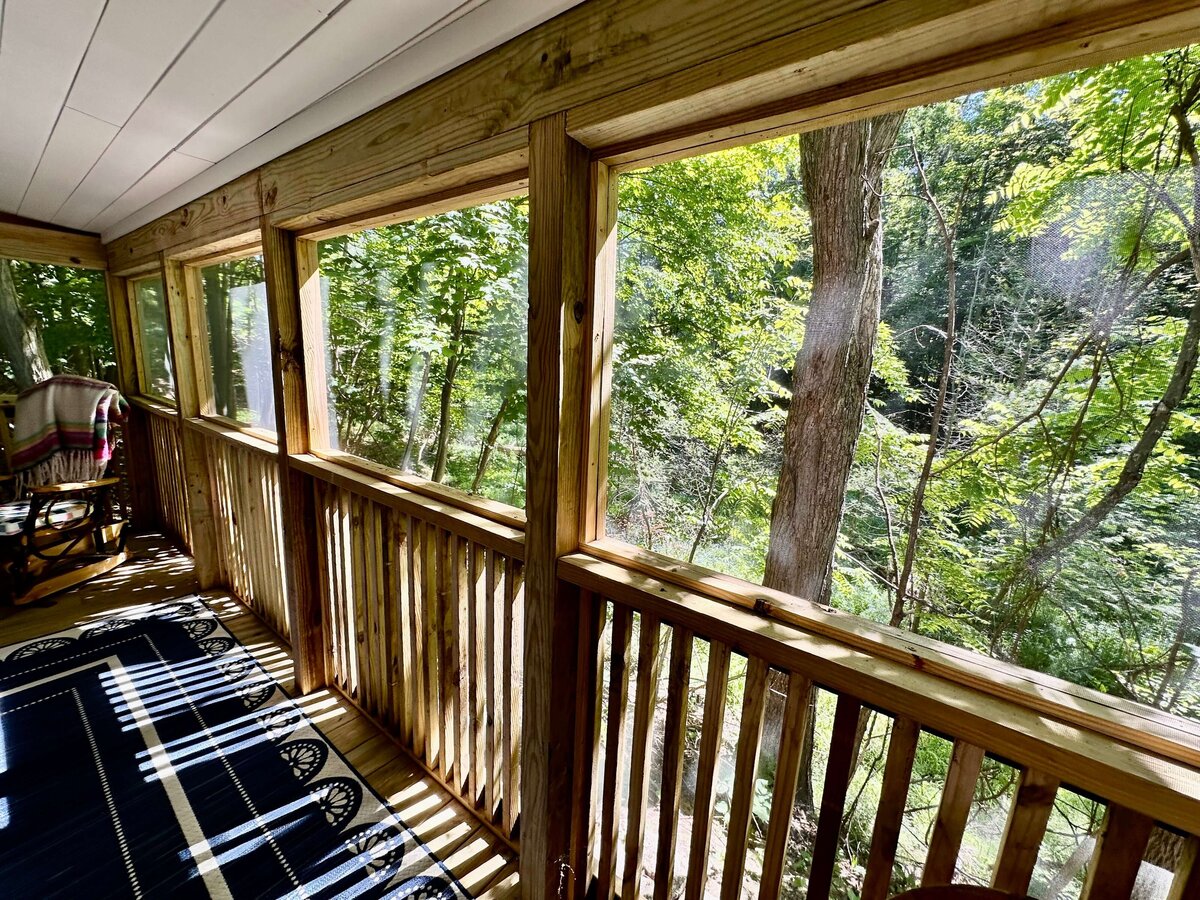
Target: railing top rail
x=503, y=538
x=1082, y=758
x=1142, y=726
x=232, y=435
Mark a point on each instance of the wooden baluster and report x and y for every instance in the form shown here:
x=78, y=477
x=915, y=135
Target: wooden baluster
x=492, y=655
x=639, y=775
x=1186, y=883
x=833, y=797
x=401, y=623
x=477, y=665
x=1118, y=854
x=710, y=749
x=961, y=778
x=754, y=704
x=460, y=650
x=599, y=663
x=614, y=753
x=675, y=732
x=892, y=798
x=787, y=773
x=435, y=734
x=510, y=709
x=358, y=599
x=447, y=657
x=587, y=738
x=1032, y=804
x=416, y=638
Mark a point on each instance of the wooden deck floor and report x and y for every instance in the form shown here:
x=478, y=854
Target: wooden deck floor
x=159, y=572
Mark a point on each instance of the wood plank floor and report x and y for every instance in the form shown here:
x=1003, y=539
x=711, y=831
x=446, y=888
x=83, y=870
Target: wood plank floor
x=158, y=572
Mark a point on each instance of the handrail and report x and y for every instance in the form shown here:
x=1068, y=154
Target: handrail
x=1124, y=720
x=211, y=428
x=504, y=538
x=1165, y=790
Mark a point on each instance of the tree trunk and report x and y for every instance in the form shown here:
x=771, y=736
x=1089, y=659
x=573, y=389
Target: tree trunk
x=489, y=443
x=414, y=415
x=443, y=432
x=20, y=336
x=842, y=169
x=939, y=405
x=218, y=313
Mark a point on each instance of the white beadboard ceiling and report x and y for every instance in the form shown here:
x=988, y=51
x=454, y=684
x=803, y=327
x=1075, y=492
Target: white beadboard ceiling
x=114, y=112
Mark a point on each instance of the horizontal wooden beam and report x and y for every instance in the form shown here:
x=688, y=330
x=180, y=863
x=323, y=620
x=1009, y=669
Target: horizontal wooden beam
x=1124, y=720
x=50, y=245
x=1167, y=791
x=892, y=55
x=639, y=82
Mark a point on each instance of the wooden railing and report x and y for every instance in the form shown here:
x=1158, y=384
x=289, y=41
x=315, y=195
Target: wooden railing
x=661, y=849
x=249, y=520
x=162, y=429
x=423, y=620
x=422, y=608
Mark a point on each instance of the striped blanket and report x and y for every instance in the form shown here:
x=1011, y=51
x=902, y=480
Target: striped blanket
x=61, y=430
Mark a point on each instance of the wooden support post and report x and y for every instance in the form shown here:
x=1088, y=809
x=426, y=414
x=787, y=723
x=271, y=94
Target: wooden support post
x=558, y=306
x=294, y=310
x=139, y=462
x=197, y=473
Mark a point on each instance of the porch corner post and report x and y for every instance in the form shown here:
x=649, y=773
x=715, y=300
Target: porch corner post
x=293, y=304
x=556, y=437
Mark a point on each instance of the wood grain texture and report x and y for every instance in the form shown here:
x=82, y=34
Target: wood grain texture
x=754, y=705
x=1084, y=758
x=51, y=245
x=290, y=311
x=614, y=754
x=648, y=670
x=842, y=754
x=1129, y=722
x=787, y=776
x=893, y=795
x=1120, y=847
x=1028, y=816
x=710, y=749
x=674, y=735
x=958, y=792
x=558, y=240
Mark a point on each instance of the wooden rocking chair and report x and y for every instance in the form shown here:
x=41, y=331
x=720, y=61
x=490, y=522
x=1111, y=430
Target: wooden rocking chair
x=62, y=534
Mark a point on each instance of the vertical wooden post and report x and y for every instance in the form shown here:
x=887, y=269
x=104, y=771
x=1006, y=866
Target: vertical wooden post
x=558, y=305
x=294, y=308
x=139, y=464
x=201, y=497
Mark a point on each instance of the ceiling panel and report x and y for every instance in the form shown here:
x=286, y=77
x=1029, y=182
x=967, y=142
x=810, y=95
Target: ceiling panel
x=170, y=173
x=41, y=45
x=133, y=46
x=77, y=142
x=357, y=36
x=234, y=47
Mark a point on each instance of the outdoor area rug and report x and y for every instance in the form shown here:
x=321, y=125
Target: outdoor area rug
x=152, y=756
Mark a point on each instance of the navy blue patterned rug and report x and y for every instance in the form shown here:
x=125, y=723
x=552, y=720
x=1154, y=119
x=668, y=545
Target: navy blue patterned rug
x=152, y=756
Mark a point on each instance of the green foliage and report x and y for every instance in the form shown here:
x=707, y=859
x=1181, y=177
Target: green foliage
x=426, y=330
x=71, y=308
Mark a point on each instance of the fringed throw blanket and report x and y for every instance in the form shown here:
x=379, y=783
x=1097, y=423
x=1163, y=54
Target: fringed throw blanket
x=62, y=430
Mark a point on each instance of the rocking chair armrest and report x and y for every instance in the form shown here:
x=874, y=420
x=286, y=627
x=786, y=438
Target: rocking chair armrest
x=71, y=486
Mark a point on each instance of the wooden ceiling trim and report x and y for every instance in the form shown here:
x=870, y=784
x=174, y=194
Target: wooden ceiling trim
x=991, y=45
x=637, y=77
x=51, y=245
x=594, y=49
x=227, y=213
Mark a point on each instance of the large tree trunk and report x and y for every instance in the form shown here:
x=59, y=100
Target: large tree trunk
x=842, y=169
x=489, y=442
x=443, y=433
x=20, y=336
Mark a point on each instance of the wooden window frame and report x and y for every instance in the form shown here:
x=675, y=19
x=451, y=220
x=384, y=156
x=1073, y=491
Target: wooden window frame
x=617, y=148
x=465, y=195
x=193, y=265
